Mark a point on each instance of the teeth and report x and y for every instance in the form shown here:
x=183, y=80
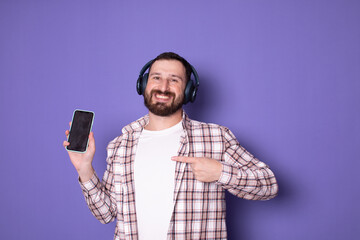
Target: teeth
x=162, y=96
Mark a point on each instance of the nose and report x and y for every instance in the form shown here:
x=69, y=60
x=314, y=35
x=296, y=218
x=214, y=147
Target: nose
x=164, y=85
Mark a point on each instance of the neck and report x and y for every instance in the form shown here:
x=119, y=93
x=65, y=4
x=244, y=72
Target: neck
x=157, y=123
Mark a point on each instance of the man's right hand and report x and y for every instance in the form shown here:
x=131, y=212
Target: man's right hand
x=83, y=161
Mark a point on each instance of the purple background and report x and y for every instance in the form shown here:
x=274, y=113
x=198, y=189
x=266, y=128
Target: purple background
x=282, y=75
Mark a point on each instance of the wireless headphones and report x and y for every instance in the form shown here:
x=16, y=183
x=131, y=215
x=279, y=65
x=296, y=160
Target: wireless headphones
x=190, y=89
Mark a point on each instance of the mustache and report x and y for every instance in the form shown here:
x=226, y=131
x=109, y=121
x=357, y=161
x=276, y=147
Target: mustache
x=166, y=93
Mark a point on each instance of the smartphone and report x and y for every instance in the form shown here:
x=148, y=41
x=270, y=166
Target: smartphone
x=80, y=129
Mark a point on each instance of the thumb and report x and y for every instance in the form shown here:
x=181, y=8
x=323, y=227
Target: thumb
x=91, y=140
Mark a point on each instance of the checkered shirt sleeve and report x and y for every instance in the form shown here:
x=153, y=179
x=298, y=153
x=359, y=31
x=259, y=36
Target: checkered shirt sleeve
x=244, y=175
x=100, y=196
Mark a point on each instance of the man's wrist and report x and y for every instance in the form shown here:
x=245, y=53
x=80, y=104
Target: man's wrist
x=86, y=173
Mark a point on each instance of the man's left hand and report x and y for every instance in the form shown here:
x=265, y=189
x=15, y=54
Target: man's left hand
x=204, y=169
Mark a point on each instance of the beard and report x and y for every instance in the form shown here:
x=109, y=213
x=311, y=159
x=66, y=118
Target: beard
x=162, y=109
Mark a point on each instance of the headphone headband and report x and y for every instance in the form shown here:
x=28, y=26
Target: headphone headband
x=145, y=67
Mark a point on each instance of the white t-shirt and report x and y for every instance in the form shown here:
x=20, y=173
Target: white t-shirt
x=154, y=176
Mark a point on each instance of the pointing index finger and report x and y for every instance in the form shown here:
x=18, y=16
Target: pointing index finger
x=183, y=159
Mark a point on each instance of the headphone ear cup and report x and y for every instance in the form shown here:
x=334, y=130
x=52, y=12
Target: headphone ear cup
x=141, y=83
x=190, y=92
x=193, y=96
x=144, y=82
x=138, y=85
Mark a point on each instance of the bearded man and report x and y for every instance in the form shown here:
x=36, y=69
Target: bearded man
x=166, y=174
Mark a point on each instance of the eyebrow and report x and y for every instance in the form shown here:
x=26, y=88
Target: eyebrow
x=176, y=76
x=154, y=73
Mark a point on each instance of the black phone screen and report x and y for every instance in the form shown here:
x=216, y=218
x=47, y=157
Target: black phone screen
x=80, y=130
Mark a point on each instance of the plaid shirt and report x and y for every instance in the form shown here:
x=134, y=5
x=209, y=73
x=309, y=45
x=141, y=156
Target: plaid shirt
x=199, y=208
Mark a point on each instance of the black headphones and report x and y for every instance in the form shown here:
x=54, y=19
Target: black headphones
x=190, y=89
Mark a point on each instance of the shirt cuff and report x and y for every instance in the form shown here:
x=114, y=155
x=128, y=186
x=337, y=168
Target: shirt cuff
x=229, y=175
x=90, y=186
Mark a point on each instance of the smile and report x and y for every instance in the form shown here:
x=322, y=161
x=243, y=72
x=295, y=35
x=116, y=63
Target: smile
x=161, y=96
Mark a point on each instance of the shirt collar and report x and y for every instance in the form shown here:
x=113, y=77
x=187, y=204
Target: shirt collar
x=138, y=125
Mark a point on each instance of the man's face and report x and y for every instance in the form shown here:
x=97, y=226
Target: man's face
x=164, y=93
